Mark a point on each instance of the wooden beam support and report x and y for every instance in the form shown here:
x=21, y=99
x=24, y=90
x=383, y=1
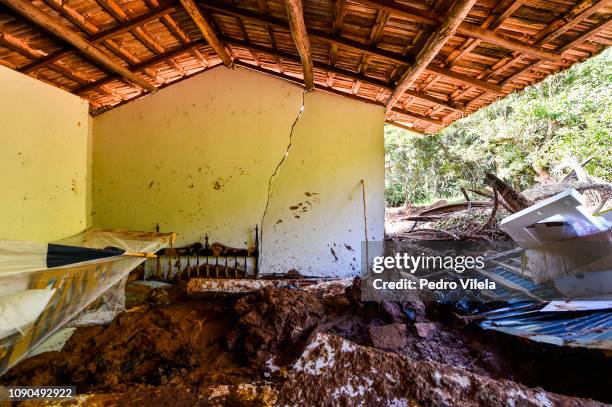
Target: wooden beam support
x=295, y=14
x=115, y=10
x=353, y=45
x=390, y=6
x=435, y=43
x=569, y=20
x=207, y=31
x=466, y=29
x=45, y=21
x=604, y=25
x=405, y=127
x=504, y=41
x=344, y=72
x=146, y=64
x=100, y=37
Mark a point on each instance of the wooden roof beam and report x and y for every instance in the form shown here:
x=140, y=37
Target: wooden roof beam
x=354, y=45
x=297, y=80
x=569, y=20
x=466, y=29
x=88, y=27
x=604, y=25
x=100, y=37
x=434, y=44
x=115, y=10
x=207, y=31
x=349, y=74
x=295, y=14
x=146, y=64
x=482, y=34
x=45, y=21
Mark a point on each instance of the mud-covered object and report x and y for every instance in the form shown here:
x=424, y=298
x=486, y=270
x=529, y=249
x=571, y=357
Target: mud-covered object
x=334, y=371
x=274, y=319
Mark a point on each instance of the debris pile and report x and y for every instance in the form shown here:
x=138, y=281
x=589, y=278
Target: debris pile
x=479, y=219
x=284, y=346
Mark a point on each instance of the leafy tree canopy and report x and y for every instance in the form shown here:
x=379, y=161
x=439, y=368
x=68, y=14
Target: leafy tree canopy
x=565, y=119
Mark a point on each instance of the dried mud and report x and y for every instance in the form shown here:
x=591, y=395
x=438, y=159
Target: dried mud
x=242, y=350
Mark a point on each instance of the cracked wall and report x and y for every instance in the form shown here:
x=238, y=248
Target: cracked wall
x=45, y=136
x=196, y=158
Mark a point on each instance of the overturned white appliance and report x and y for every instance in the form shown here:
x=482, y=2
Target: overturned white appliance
x=566, y=244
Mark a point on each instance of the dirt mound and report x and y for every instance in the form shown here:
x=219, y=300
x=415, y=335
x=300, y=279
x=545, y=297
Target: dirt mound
x=274, y=321
x=333, y=371
x=153, y=345
x=243, y=351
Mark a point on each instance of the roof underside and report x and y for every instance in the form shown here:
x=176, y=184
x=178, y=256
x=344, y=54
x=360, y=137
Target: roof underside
x=360, y=49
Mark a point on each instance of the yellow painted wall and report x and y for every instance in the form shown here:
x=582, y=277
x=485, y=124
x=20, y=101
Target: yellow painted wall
x=196, y=158
x=44, y=134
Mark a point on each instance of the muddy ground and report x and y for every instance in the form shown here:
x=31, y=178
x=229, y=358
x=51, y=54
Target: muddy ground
x=247, y=350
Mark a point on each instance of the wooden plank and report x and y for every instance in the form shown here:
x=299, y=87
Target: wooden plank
x=604, y=25
x=434, y=44
x=459, y=77
x=100, y=37
x=207, y=31
x=353, y=45
x=474, y=31
x=344, y=72
x=50, y=24
x=295, y=13
x=569, y=20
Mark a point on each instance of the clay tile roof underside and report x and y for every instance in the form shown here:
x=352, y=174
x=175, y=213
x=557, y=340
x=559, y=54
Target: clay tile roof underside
x=360, y=49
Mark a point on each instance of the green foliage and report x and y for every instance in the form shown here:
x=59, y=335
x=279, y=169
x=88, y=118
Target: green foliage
x=565, y=118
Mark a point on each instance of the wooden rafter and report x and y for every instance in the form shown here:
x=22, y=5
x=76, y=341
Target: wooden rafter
x=596, y=30
x=503, y=10
x=576, y=14
x=474, y=31
x=40, y=18
x=146, y=64
x=352, y=45
x=100, y=37
x=207, y=31
x=402, y=112
x=350, y=56
x=469, y=30
x=346, y=73
x=295, y=14
x=23, y=48
x=569, y=20
x=435, y=43
x=88, y=27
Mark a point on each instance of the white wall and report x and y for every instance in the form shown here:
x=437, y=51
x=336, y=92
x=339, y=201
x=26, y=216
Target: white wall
x=44, y=135
x=196, y=158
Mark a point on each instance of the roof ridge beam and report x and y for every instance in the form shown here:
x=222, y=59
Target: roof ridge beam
x=434, y=44
x=43, y=20
x=295, y=14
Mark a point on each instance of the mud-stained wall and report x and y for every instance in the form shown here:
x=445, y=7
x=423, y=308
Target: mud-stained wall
x=44, y=173
x=196, y=158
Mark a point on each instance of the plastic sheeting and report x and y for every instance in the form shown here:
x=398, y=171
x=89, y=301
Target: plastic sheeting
x=36, y=300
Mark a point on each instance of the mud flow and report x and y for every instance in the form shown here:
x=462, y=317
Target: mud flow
x=289, y=346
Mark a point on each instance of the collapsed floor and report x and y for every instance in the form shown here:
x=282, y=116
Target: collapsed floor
x=281, y=346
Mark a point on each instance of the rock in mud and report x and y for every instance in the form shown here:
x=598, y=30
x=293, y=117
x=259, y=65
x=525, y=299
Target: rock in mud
x=390, y=337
